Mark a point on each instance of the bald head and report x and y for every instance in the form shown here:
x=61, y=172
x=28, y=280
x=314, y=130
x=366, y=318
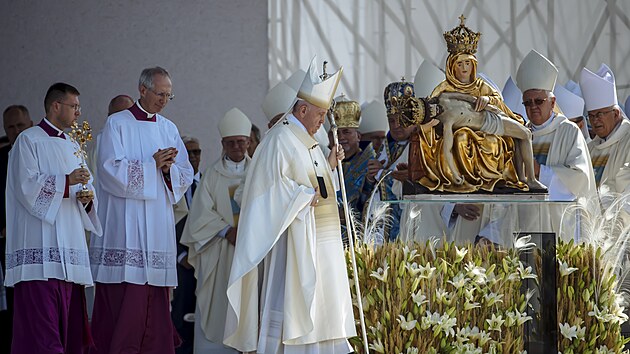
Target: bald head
x=15, y=120
x=119, y=103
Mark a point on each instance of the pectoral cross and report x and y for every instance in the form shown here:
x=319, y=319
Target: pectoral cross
x=315, y=163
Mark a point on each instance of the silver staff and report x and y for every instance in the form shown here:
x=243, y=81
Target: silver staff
x=349, y=223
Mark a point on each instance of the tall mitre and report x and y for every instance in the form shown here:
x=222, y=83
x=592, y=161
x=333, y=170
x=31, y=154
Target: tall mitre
x=373, y=118
x=513, y=97
x=295, y=80
x=571, y=104
x=536, y=73
x=347, y=113
x=427, y=78
x=235, y=123
x=598, y=88
x=316, y=91
x=574, y=87
x=278, y=100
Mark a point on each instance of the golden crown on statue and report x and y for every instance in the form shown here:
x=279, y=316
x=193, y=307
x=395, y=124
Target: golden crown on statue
x=461, y=39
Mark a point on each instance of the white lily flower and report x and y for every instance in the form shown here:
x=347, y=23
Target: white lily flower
x=495, y=322
x=419, y=298
x=522, y=318
x=568, y=331
x=412, y=350
x=446, y=325
x=459, y=281
x=426, y=272
x=381, y=273
x=378, y=346
x=469, y=294
x=477, y=274
x=410, y=255
x=443, y=296
x=526, y=273
x=492, y=298
x=522, y=243
x=429, y=320
x=413, y=269
x=406, y=325
x=471, y=305
x=565, y=269
x=460, y=253
x=604, y=350
x=484, y=337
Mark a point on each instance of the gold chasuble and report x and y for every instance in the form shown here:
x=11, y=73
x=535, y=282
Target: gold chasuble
x=305, y=296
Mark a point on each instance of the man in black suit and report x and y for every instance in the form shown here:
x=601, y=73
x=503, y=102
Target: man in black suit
x=15, y=120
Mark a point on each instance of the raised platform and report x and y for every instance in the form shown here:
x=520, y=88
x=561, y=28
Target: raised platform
x=415, y=191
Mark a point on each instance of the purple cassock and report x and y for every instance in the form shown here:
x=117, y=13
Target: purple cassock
x=132, y=318
x=50, y=318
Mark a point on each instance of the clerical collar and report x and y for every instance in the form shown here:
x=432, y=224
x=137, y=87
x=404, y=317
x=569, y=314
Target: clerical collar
x=545, y=124
x=233, y=166
x=140, y=114
x=197, y=176
x=50, y=129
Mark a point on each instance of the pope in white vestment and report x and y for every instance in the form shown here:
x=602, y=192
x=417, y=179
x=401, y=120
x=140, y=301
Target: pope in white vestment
x=289, y=229
x=305, y=296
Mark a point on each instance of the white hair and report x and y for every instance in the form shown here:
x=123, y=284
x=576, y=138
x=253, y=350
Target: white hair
x=190, y=139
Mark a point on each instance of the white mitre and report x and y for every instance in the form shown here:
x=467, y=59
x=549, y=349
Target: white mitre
x=536, y=72
x=295, y=80
x=427, y=78
x=278, y=100
x=235, y=123
x=574, y=87
x=373, y=118
x=627, y=106
x=513, y=98
x=571, y=104
x=317, y=92
x=598, y=88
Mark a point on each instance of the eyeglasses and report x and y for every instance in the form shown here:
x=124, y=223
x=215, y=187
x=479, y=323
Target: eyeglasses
x=599, y=115
x=165, y=95
x=239, y=143
x=534, y=102
x=76, y=107
x=196, y=152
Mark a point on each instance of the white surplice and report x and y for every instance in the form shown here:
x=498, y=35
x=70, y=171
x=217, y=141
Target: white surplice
x=46, y=231
x=614, y=154
x=213, y=210
x=305, y=305
x=138, y=244
x=567, y=173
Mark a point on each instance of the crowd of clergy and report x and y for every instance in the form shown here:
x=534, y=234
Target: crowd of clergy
x=248, y=255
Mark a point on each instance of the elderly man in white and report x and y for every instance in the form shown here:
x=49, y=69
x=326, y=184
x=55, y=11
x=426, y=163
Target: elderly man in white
x=610, y=149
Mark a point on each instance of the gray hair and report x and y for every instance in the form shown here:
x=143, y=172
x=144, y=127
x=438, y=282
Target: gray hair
x=190, y=139
x=146, y=77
